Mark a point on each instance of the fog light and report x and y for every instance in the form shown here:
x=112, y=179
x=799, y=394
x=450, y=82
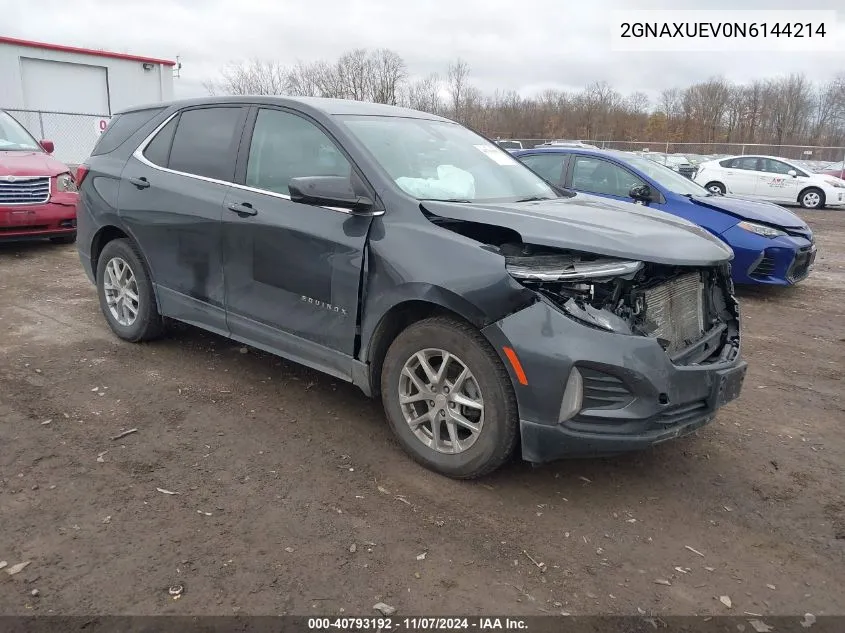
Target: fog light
x=573, y=395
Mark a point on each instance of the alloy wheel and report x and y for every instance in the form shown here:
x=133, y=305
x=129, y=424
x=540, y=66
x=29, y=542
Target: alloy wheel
x=441, y=401
x=811, y=199
x=121, y=290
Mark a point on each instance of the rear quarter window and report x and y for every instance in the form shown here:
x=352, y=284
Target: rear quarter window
x=121, y=127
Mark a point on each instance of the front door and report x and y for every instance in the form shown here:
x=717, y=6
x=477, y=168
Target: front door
x=776, y=184
x=292, y=271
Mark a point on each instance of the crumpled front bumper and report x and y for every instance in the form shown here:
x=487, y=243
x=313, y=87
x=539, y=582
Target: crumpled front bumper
x=633, y=395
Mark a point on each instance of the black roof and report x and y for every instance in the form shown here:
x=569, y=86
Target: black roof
x=319, y=104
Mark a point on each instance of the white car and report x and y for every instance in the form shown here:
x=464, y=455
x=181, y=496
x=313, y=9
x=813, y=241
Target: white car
x=773, y=179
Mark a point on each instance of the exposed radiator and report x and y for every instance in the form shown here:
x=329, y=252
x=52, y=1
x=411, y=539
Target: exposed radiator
x=677, y=309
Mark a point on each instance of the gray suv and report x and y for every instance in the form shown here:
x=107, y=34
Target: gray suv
x=401, y=252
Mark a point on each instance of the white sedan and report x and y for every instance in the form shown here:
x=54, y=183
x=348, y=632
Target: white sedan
x=772, y=179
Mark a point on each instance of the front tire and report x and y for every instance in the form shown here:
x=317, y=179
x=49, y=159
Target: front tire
x=716, y=187
x=812, y=198
x=449, y=398
x=126, y=293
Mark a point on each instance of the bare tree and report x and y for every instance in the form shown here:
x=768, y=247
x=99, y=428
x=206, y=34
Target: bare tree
x=254, y=77
x=389, y=73
x=457, y=81
x=424, y=94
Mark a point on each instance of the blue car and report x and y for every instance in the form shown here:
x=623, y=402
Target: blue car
x=771, y=245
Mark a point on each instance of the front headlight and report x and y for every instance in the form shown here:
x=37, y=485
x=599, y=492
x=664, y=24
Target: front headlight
x=835, y=182
x=760, y=229
x=65, y=183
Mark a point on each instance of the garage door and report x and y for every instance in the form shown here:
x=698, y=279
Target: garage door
x=64, y=87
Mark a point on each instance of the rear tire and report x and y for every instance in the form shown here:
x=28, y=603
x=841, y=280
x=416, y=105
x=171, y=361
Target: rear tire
x=716, y=187
x=126, y=293
x=470, y=405
x=812, y=198
x=64, y=239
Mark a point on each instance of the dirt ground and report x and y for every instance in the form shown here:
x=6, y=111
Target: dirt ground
x=294, y=498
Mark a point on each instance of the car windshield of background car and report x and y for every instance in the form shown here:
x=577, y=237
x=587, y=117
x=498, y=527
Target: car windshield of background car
x=13, y=136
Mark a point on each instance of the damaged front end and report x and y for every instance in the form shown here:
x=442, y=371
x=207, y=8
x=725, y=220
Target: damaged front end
x=690, y=311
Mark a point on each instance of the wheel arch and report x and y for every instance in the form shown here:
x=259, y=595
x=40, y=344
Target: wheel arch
x=406, y=311
x=815, y=188
x=109, y=233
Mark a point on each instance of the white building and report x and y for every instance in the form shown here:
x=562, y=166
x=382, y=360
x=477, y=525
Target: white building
x=49, y=87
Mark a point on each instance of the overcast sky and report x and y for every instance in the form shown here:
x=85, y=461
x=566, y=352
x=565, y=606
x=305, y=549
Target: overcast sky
x=524, y=45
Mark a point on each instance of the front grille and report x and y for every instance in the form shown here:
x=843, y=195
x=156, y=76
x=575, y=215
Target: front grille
x=603, y=391
x=764, y=267
x=676, y=310
x=24, y=190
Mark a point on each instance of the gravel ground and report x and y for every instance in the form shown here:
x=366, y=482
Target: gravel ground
x=292, y=496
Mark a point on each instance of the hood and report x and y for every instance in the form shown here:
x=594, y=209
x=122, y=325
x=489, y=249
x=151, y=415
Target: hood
x=754, y=210
x=596, y=225
x=30, y=164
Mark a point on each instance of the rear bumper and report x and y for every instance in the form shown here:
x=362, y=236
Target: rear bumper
x=633, y=394
x=52, y=219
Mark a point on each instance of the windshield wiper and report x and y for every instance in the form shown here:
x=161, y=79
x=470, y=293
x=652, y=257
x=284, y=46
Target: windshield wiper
x=448, y=200
x=533, y=199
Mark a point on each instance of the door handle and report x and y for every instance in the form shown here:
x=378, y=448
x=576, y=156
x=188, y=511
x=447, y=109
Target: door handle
x=243, y=209
x=141, y=183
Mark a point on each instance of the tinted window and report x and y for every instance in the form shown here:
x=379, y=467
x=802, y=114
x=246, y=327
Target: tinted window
x=121, y=127
x=600, y=176
x=548, y=166
x=774, y=166
x=286, y=146
x=745, y=162
x=158, y=150
x=204, y=141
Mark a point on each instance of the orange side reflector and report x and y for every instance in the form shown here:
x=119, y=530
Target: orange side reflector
x=517, y=366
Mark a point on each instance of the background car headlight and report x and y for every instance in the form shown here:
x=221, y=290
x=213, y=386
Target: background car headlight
x=835, y=182
x=760, y=229
x=64, y=182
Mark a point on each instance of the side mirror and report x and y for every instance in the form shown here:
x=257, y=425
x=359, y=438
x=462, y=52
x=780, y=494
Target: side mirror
x=641, y=192
x=48, y=146
x=792, y=173
x=328, y=191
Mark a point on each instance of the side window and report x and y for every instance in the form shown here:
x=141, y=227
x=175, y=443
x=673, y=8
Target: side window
x=286, y=146
x=599, y=176
x=121, y=127
x=204, y=140
x=746, y=162
x=548, y=166
x=158, y=150
x=774, y=166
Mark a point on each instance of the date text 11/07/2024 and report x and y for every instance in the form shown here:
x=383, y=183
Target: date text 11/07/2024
x=415, y=624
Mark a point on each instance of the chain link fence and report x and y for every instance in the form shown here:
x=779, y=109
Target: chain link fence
x=824, y=154
x=73, y=134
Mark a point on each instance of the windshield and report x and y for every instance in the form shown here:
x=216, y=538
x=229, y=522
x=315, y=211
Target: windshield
x=438, y=160
x=665, y=177
x=13, y=136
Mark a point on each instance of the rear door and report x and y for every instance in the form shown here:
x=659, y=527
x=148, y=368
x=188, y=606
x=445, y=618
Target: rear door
x=741, y=175
x=293, y=271
x=171, y=200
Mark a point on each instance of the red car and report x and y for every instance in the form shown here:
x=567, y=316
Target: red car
x=836, y=169
x=38, y=193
